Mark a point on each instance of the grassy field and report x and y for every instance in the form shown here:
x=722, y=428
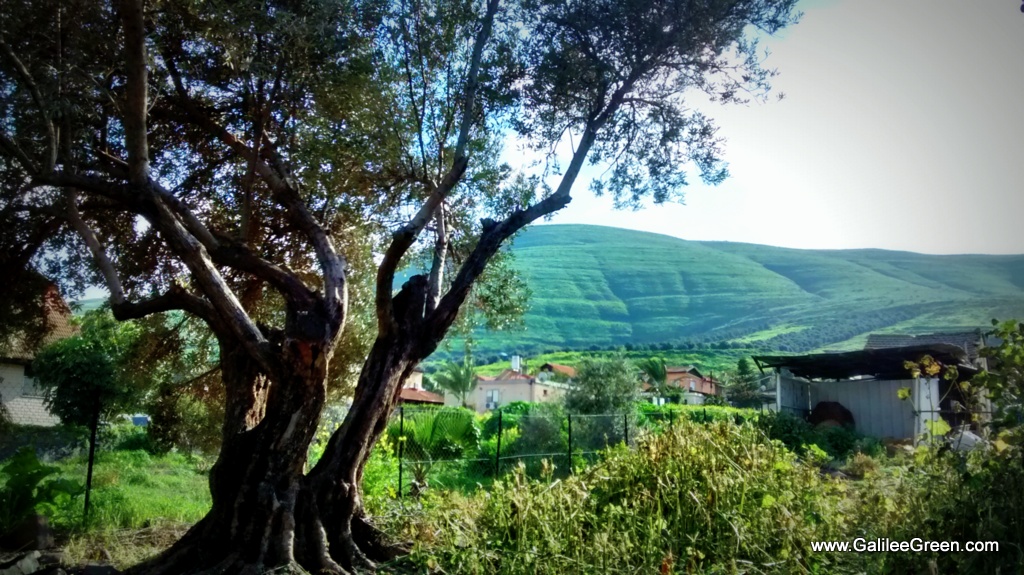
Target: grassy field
x=596, y=287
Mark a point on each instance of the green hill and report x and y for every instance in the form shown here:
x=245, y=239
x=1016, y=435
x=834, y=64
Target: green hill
x=595, y=287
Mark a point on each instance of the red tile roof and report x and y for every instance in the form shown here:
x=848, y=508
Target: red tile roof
x=683, y=369
x=59, y=326
x=558, y=368
x=410, y=395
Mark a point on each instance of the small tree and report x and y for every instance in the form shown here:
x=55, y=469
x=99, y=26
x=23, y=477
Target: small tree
x=603, y=387
x=90, y=376
x=745, y=388
x=458, y=379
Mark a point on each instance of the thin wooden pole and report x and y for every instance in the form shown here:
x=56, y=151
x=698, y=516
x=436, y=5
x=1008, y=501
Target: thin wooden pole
x=497, y=453
x=401, y=446
x=92, y=457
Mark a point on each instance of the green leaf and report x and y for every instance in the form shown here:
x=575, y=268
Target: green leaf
x=937, y=427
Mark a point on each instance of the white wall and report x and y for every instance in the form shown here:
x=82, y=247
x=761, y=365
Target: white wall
x=792, y=394
x=875, y=404
x=925, y=395
x=876, y=407
x=24, y=410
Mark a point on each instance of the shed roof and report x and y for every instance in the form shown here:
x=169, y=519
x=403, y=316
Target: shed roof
x=969, y=341
x=885, y=363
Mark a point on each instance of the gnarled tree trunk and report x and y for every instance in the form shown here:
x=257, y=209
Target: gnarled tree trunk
x=267, y=512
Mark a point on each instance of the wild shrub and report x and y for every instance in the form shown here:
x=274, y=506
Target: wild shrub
x=180, y=420
x=29, y=487
x=698, y=498
x=796, y=434
x=940, y=495
x=125, y=436
x=860, y=465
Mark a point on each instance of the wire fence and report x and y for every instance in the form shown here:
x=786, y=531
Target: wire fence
x=450, y=447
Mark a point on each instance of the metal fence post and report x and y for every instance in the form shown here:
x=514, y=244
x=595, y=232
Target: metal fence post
x=569, y=417
x=497, y=453
x=401, y=445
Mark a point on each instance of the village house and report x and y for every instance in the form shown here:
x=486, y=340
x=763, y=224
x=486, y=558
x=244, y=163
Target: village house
x=513, y=385
x=18, y=390
x=695, y=387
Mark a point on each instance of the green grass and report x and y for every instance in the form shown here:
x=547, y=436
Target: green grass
x=133, y=489
x=599, y=286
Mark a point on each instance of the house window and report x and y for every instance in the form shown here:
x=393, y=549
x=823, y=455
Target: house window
x=30, y=389
x=692, y=386
x=493, y=397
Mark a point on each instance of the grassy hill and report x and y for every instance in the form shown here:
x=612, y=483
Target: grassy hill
x=596, y=287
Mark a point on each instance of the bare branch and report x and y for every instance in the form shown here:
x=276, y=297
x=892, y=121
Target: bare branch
x=11, y=147
x=176, y=298
x=211, y=283
x=136, y=108
x=495, y=233
x=99, y=255
x=37, y=97
x=436, y=278
x=404, y=238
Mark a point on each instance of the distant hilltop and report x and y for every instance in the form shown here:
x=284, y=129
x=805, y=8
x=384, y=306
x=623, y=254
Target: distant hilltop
x=596, y=286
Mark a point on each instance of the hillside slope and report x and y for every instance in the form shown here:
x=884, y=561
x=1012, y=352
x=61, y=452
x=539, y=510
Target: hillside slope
x=597, y=286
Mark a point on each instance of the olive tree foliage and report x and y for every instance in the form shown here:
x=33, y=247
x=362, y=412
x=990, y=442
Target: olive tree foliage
x=603, y=386
x=269, y=168
x=1003, y=382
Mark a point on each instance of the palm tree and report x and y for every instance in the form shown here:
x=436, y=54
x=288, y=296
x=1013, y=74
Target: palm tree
x=654, y=372
x=457, y=379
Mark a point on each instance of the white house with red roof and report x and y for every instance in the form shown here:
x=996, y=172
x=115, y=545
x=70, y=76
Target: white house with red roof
x=19, y=393
x=511, y=385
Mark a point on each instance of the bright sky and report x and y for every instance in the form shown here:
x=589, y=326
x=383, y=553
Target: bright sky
x=902, y=128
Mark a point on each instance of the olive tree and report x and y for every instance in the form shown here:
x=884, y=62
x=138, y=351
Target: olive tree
x=268, y=168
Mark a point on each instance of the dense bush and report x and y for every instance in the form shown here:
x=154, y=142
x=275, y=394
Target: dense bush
x=798, y=435
x=649, y=413
x=126, y=436
x=697, y=498
x=180, y=420
x=940, y=495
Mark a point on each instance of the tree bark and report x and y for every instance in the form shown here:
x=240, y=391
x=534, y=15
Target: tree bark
x=264, y=513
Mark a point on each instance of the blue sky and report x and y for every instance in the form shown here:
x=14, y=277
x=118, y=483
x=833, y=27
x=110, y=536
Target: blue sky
x=902, y=128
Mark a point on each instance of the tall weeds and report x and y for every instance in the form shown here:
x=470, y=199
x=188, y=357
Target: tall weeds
x=697, y=498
